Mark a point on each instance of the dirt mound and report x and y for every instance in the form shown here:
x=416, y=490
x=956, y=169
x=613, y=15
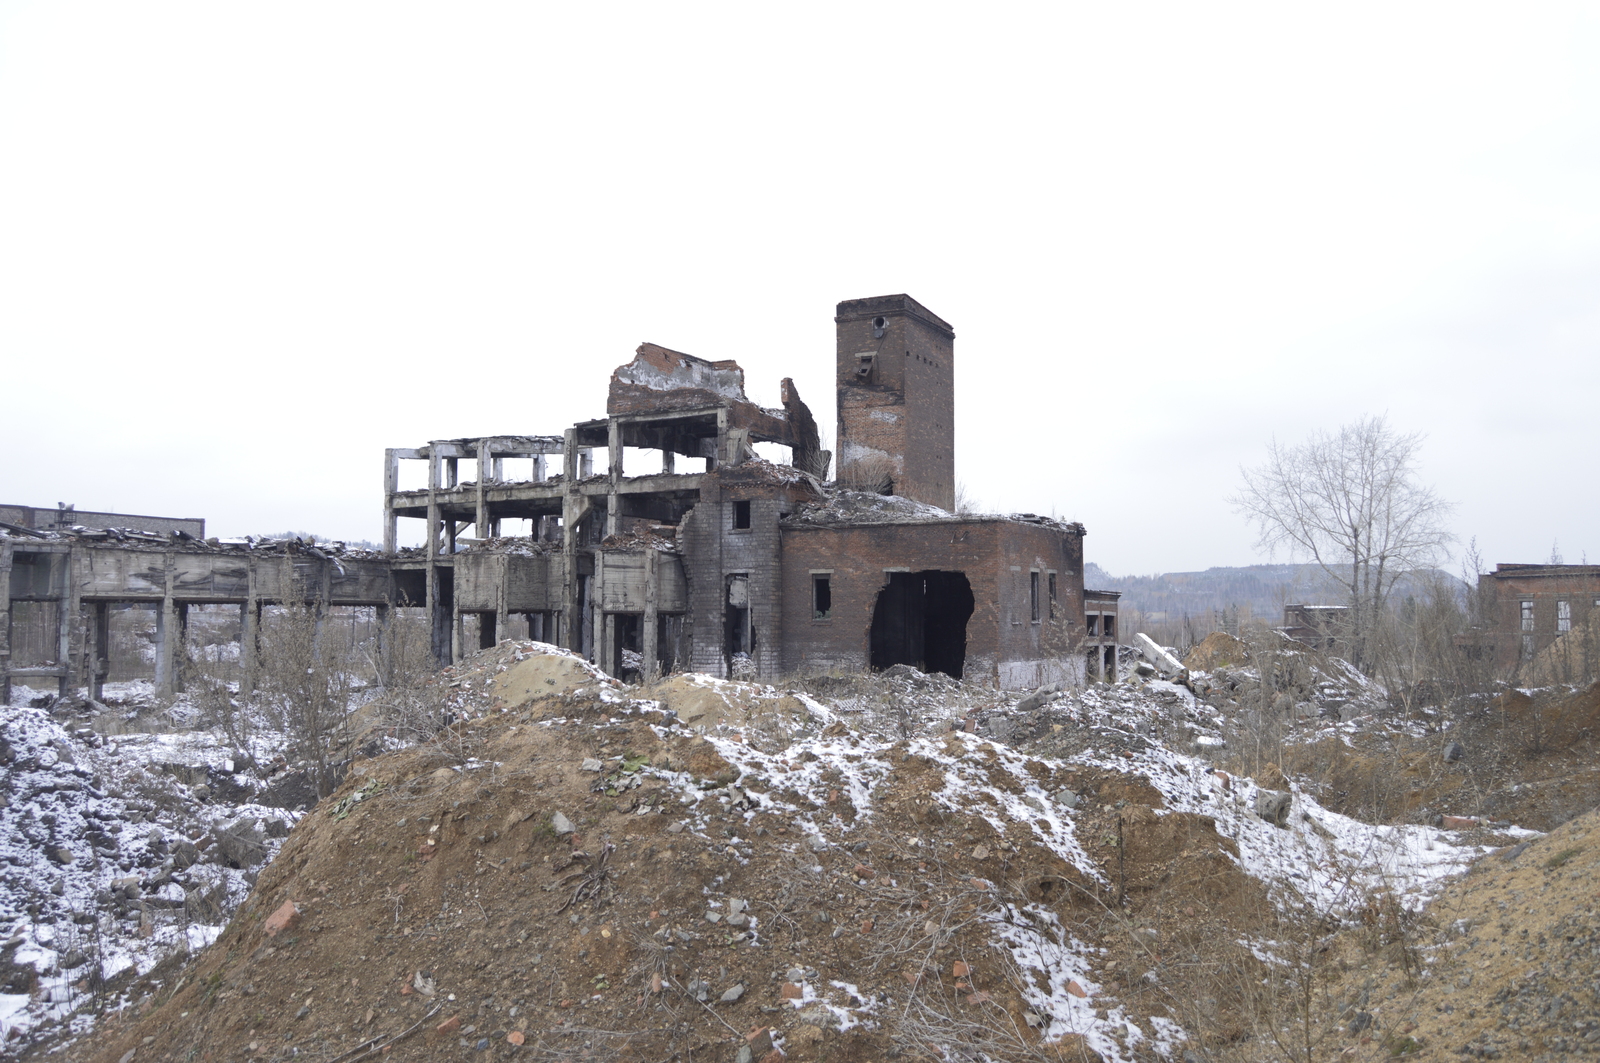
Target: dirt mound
x=765, y=716
x=1501, y=966
x=1521, y=758
x=1217, y=650
x=536, y=671
x=1572, y=658
x=589, y=877
x=556, y=880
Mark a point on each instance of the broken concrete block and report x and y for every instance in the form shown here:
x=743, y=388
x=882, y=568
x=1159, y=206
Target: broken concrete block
x=1164, y=662
x=1273, y=806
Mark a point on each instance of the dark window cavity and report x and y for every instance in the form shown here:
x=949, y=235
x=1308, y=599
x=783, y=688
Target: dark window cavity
x=741, y=514
x=821, y=597
x=1033, y=596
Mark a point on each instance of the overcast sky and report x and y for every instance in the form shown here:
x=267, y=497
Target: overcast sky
x=243, y=248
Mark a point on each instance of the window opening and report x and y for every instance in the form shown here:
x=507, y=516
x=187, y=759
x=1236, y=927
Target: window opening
x=741, y=514
x=821, y=597
x=1093, y=620
x=1527, y=616
x=1563, y=616
x=1527, y=647
x=1052, y=596
x=1108, y=626
x=1033, y=596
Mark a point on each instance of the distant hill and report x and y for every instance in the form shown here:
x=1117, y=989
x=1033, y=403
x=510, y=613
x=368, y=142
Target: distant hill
x=1259, y=591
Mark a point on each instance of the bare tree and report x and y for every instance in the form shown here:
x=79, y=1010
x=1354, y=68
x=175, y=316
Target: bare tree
x=1350, y=503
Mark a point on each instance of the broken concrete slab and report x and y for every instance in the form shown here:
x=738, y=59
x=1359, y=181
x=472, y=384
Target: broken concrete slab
x=1164, y=662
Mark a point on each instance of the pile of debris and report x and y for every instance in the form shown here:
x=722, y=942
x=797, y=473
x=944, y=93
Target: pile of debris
x=583, y=870
x=117, y=854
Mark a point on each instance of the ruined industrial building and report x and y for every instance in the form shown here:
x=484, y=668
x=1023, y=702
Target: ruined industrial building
x=733, y=566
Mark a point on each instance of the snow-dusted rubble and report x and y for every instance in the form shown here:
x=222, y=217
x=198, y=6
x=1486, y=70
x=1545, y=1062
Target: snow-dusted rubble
x=110, y=861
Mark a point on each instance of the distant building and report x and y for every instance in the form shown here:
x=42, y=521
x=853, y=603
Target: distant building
x=65, y=517
x=1315, y=625
x=1100, y=624
x=1527, y=607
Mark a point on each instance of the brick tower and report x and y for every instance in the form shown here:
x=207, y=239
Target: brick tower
x=896, y=386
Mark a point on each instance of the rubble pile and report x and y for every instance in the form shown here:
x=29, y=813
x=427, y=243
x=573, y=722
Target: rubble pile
x=115, y=857
x=577, y=869
x=258, y=545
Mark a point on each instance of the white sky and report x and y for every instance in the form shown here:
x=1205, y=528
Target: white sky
x=243, y=248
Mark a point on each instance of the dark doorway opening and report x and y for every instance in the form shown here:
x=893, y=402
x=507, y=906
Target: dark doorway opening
x=921, y=620
x=738, y=635
x=629, y=647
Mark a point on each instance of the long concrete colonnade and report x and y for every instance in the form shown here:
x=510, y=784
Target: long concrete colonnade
x=84, y=577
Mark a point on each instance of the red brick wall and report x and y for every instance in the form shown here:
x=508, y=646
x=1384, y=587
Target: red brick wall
x=905, y=407
x=996, y=555
x=1544, y=585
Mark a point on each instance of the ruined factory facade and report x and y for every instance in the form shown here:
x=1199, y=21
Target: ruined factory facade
x=743, y=566
x=1528, y=607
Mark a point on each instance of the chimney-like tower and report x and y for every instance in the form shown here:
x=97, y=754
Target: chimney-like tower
x=896, y=385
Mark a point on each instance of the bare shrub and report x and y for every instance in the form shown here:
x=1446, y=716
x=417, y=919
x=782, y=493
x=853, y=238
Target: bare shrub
x=874, y=473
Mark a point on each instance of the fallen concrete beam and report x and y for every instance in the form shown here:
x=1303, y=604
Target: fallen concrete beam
x=1165, y=662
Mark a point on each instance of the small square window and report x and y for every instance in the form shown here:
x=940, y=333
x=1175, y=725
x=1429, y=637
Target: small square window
x=741, y=514
x=821, y=597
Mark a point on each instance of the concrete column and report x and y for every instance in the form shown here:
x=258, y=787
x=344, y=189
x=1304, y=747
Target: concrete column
x=433, y=519
x=597, y=604
x=570, y=514
x=5, y=621
x=669, y=461
x=613, y=500
x=99, y=648
x=439, y=625
x=69, y=640
x=480, y=518
x=722, y=439
x=249, y=631
x=502, y=615
x=647, y=635
x=438, y=614
x=538, y=468
x=391, y=484
x=166, y=638
x=180, y=644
